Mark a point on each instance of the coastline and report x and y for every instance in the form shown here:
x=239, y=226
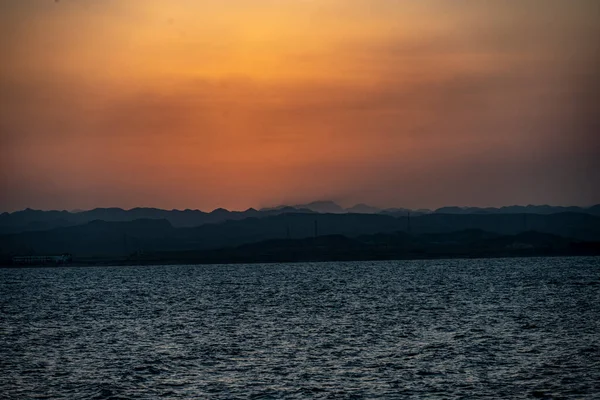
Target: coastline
x=114, y=262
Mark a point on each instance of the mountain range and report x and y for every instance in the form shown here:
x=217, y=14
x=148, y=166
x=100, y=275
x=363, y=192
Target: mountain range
x=118, y=238
x=38, y=220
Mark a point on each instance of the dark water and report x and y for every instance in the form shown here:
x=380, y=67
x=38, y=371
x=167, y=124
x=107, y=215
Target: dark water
x=511, y=328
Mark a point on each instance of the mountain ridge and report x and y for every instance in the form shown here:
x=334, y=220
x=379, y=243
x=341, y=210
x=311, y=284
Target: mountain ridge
x=100, y=237
x=36, y=220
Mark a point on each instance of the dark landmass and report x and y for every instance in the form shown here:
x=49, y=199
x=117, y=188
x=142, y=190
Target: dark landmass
x=119, y=239
x=381, y=246
x=36, y=220
x=324, y=207
x=333, y=208
x=530, y=209
x=395, y=246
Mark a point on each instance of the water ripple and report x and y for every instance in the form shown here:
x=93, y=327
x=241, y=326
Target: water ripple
x=512, y=328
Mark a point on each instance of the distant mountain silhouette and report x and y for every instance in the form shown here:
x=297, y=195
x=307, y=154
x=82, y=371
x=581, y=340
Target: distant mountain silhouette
x=316, y=206
x=363, y=209
x=332, y=207
x=107, y=238
x=530, y=209
x=36, y=220
x=398, y=212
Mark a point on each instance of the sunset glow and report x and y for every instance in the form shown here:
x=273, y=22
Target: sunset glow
x=205, y=104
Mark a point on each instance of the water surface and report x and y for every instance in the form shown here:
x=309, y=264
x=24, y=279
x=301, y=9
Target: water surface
x=514, y=328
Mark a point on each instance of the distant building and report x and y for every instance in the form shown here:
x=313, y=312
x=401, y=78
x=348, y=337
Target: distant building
x=42, y=260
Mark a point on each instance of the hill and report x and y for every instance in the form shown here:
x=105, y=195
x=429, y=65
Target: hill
x=110, y=238
x=37, y=220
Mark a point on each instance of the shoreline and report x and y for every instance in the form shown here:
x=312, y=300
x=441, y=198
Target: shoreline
x=151, y=263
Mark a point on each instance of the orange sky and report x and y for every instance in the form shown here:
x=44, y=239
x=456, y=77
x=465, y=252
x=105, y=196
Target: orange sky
x=251, y=103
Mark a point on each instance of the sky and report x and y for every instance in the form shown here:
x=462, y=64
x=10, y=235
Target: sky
x=252, y=103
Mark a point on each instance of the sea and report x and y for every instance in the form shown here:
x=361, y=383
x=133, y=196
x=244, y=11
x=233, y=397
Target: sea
x=517, y=328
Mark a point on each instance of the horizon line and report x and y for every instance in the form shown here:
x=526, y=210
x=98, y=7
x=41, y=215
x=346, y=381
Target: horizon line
x=296, y=206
